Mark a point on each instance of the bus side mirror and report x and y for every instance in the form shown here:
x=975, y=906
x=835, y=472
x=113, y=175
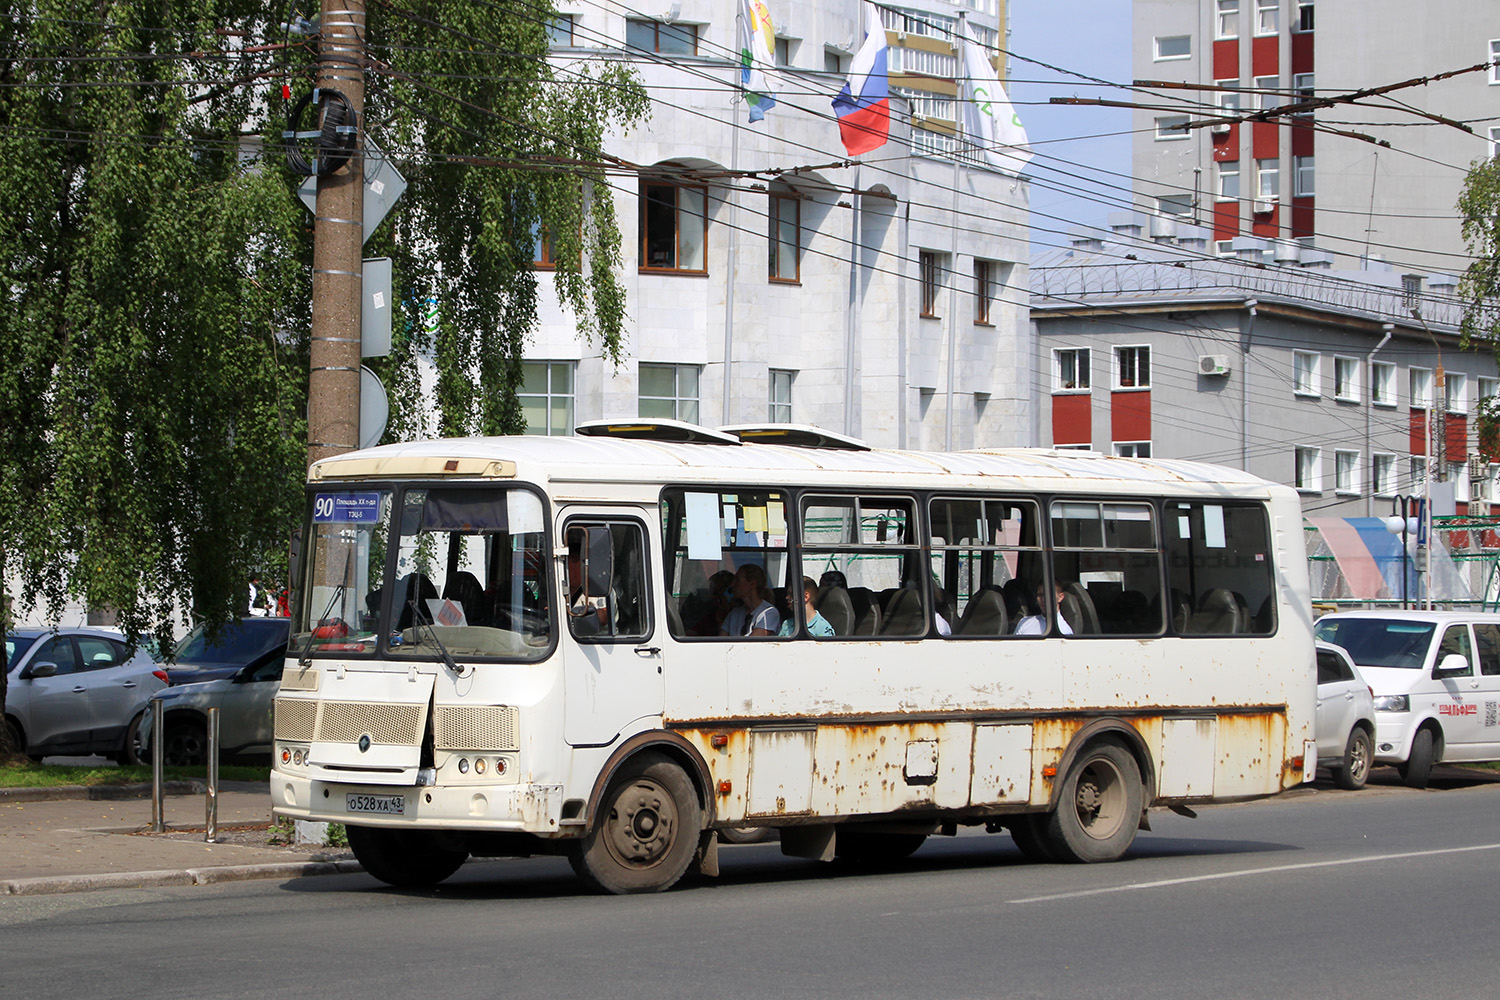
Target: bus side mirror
x=1452, y=665
x=595, y=549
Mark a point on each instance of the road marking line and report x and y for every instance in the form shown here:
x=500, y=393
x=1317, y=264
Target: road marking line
x=1255, y=871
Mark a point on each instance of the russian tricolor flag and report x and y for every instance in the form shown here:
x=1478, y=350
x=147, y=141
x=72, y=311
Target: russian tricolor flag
x=864, y=105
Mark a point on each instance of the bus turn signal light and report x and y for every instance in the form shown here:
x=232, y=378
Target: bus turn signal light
x=1050, y=771
x=718, y=740
x=724, y=787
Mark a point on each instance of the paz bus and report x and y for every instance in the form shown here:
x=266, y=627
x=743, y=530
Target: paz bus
x=515, y=646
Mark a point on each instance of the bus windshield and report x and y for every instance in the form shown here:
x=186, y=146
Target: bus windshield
x=470, y=574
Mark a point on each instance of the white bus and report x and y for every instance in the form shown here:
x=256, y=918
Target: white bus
x=514, y=646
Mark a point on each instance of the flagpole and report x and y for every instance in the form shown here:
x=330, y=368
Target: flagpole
x=958, y=121
x=850, y=320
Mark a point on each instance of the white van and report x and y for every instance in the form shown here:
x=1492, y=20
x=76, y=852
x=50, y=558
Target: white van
x=1436, y=679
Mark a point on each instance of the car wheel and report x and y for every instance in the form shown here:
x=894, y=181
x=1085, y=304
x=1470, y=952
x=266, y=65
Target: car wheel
x=13, y=738
x=1098, y=807
x=645, y=832
x=130, y=752
x=185, y=744
x=1354, y=771
x=1419, y=762
x=404, y=858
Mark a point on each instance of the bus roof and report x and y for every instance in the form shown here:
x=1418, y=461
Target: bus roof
x=613, y=460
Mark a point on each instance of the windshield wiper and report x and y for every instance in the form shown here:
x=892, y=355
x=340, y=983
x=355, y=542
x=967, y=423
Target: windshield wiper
x=418, y=618
x=305, y=659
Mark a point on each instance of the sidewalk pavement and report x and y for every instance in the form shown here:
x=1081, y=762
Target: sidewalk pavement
x=96, y=840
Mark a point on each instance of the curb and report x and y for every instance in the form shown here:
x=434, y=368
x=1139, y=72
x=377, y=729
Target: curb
x=47, y=885
x=59, y=793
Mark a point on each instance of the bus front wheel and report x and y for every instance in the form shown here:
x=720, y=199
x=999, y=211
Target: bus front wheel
x=1099, y=806
x=645, y=831
x=404, y=858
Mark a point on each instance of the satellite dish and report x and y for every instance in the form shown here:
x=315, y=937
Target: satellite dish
x=374, y=408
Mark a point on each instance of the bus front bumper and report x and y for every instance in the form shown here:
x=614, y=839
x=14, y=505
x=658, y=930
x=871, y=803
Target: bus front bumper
x=521, y=808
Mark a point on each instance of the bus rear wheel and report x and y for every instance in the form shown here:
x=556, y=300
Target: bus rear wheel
x=404, y=858
x=645, y=831
x=1099, y=806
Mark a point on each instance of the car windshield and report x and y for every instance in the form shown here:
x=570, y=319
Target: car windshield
x=15, y=648
x=1379, y=642
x=237, y=642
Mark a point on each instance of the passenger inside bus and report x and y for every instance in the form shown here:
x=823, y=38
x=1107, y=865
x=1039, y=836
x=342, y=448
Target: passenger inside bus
x=587, y=613
x=707, y=613
x=817, y=625
x=755, y=615
x=1035, y=621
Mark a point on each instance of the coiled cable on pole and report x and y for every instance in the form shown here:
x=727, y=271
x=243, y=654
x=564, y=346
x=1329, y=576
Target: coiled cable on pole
x=337, y=135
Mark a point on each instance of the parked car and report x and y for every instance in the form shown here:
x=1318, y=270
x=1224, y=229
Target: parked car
x=77, y=691
x=1436, y=678
x=236, y=645
x=244, y=700
x=1345, y=721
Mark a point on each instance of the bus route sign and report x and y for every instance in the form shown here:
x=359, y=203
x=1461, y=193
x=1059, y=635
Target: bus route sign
x=346, y=508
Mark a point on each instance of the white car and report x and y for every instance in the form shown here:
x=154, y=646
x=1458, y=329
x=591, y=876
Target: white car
x=1436, y=677
x=1345, y=721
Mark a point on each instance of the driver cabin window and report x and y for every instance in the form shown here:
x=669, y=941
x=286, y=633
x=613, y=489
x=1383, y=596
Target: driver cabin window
x=606, y=597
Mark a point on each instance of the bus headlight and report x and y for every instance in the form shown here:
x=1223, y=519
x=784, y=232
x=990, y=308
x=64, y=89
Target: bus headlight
x=1392, y=703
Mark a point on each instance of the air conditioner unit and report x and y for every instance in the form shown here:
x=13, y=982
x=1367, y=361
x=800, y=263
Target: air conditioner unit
x=1213, y=364
x=1222, y=128
x=1264, y=207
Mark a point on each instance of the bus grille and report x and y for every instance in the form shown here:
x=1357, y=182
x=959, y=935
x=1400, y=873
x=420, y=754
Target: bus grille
x=465, y=727
x=295, y=719
x=391, y=725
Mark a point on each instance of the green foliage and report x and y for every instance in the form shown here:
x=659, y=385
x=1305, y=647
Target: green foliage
x=19, y=772
x=152, y=398
x=1479, y=288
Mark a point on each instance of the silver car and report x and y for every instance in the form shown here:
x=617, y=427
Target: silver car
x=244, y=701
x=1345, y=723
x=77, y=691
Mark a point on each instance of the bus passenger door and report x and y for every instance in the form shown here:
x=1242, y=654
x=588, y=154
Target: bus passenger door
x=612, y=647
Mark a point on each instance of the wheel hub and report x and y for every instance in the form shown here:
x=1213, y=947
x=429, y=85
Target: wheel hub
x=641, y=825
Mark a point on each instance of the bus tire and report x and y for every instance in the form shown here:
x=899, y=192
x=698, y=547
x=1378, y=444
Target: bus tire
x=1098, y=807
x=875, y=848
x=744, y=834
x=1029, y=831
x=1419, y=762
x=645, y=830
x=404, y=858
x=1354, y=770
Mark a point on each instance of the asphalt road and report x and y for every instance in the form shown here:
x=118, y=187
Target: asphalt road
x=1383, y=893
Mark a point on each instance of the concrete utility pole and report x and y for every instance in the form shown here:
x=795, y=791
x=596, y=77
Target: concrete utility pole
x=338, y=239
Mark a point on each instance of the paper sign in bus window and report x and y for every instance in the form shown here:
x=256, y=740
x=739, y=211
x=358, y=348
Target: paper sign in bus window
x=756, y=519
x=1213, y=526
x=704, y=531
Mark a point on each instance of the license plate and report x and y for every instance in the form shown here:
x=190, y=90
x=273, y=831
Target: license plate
x=394, y=805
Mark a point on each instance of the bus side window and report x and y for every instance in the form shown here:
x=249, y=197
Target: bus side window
x=980, y=548
x=606, y=581
x=708, y=537
x=864, y=550
x=1107, y=564
x=1219, y=569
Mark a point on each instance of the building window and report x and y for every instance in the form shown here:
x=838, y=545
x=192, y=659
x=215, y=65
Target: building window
x=1133, y=449
x=833, y=62
x=931, y=267
x=984, y=290
x=1418, y=472
x=1229, y=180
x=1224, y=248
x=1302, y=87
x=1302, y=176
x=669, y=392
x=1346, y=379
x=546, y=396
x=1495, y=60
x=780, y=404
x=1304, y=15
x=1173, y=47
x=1486, y=388
x=1346, y=472
x=1132, y=367
x=1267, y=92
x=1172, y=127
x=672, y=222
x=1456, y=392
x=655, y=36
x=1494, y=141
x=1267, y=17
x=1229, y=100
x=1309, y=473
x=1305, y=365
x=1175, y=204
x=785, y=239
x=1382, y=383
x=1228, y=23
x=1267, y=179
x=1483, y=488
x=543, y=249
x=1071, y=368
x=1420, y=383
x=783, y=54
x=1383, y=475
x=1411, y=291
x=560, y=31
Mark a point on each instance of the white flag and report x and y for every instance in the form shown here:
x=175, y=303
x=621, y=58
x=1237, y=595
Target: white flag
x=989, y=120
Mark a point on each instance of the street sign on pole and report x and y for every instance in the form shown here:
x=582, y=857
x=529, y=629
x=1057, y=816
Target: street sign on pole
x=374, y=408
x=383, y=185
x=375, y=309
